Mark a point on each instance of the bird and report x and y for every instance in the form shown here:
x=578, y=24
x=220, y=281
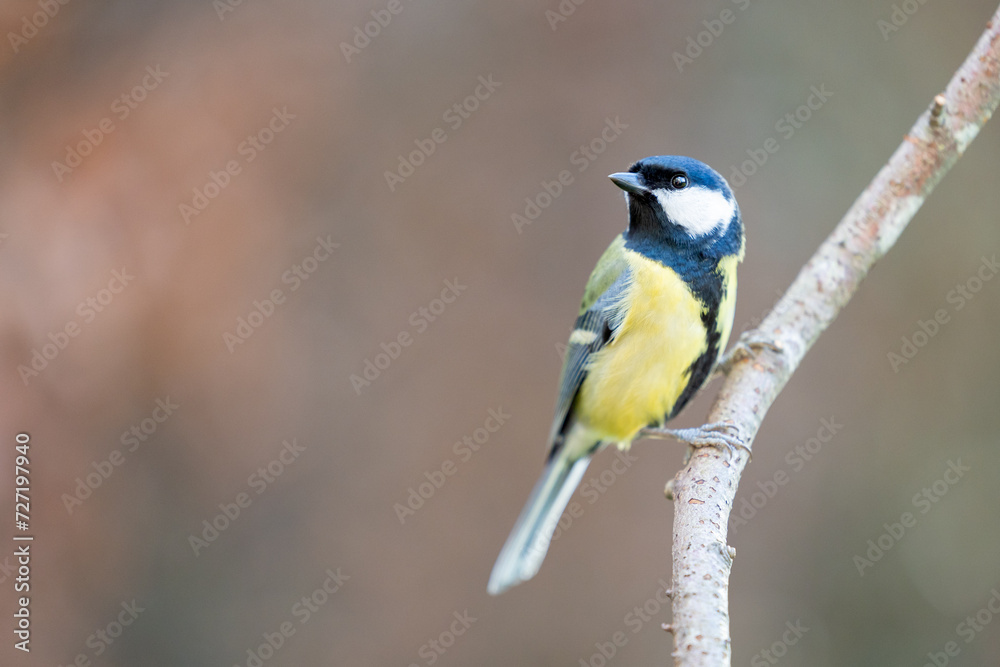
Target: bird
x=656, y=315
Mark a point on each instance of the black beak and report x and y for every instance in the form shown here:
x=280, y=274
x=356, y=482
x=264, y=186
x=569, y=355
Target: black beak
x=629, y=182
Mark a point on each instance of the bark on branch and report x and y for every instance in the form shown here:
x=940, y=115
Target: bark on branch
x=705, y=488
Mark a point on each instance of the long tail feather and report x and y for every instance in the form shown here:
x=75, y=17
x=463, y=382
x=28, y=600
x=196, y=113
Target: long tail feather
x=525, y=549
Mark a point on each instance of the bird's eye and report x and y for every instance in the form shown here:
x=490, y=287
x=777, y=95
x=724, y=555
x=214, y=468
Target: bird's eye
x=679, y=182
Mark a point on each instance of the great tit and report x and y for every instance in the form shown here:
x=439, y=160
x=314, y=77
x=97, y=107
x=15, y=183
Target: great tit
x=656, y=314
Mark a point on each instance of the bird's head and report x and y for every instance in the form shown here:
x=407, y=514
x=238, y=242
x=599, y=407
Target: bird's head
x=679, y=201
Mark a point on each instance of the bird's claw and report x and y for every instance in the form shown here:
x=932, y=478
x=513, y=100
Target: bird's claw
x=743, y=349
x=716, y=434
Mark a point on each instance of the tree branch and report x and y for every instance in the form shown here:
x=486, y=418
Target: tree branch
x=705, y=488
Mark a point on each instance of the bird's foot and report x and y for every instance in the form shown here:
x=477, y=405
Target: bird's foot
x=718, y=434
x=744, y=347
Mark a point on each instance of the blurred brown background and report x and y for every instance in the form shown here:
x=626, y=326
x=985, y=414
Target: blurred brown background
x=328, y=125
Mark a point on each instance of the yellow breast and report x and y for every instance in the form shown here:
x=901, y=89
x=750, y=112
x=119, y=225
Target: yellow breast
x=636, y=379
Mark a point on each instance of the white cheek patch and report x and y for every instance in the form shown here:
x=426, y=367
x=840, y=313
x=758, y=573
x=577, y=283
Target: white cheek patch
x=698, y=210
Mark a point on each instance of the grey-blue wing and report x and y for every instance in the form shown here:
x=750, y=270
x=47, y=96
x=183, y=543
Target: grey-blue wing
x=594, y=329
